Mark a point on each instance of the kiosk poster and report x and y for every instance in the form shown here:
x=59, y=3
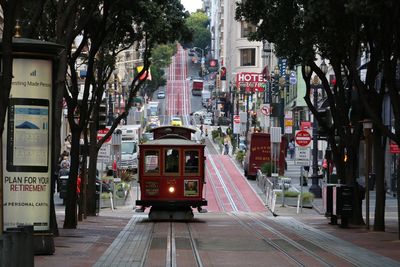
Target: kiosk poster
x=26, y=146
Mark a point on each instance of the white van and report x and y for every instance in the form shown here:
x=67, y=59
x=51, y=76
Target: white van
x=131, y=135
x=205, y=97
x=129, y=154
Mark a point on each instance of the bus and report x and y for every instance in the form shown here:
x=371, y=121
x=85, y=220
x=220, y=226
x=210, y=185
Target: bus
x=197, y=87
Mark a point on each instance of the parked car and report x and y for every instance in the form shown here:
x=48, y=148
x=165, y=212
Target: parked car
x=148, y=136
x=161, y=95
x=200, y=113
x=208, y=120
x=176, y=121
x=224, y=121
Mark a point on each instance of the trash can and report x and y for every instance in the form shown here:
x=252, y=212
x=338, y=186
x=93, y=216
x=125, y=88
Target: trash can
x=18, y=246
x=98, y=191
x=343, y=203
x=327, y=198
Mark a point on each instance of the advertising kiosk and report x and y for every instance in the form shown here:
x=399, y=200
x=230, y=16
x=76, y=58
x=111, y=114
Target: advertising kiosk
x=27, y=142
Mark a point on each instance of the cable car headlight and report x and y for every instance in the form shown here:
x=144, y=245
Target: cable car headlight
x=171, y=189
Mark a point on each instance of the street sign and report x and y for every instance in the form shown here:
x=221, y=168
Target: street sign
x=305, y=125
x=302, y=138
x=292, y=78
x=103, y=132
x=394, y=148
x=266, y=109
x=236, y=124
x=104, y=154
x=302, y=156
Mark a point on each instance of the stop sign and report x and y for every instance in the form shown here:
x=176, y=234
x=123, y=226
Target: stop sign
x=236, y=119
x=303, y=138
x=103, y=132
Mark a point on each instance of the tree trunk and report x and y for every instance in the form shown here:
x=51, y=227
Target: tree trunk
x=91, y=186
x=70, y=221
x=379, y=167
x=56, y=147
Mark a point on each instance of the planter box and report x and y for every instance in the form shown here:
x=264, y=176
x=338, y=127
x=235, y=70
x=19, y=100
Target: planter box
x=292, y=201
x=106, y=203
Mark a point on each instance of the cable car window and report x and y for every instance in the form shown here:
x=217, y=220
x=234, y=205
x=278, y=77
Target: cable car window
x=172, y=160
x=192, y=161
x=151, y=162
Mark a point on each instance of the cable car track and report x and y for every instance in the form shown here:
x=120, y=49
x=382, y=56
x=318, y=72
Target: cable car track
x=175, y=253
x=325, y=260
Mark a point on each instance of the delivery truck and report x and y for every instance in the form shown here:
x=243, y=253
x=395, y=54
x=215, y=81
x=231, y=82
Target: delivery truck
x=197, y=87
x=258, y=152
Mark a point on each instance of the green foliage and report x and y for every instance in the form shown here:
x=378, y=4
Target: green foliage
x=127, y=176
x=120, y=191
x=160, y=59
x=215, y=134
x=267, y=168
x=198, y=23
x=307, y=196
x=240, y=155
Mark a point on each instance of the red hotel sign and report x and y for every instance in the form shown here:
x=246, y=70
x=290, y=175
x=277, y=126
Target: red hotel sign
x=251, y=81
x=394, y=148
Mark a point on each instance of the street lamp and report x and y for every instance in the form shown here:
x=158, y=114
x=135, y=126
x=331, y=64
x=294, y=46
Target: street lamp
x=276, y=83
x=367, y=125
x=202, y=59
x=202, y=50
x=115, y=72
x=110, y=106
x=248, y=93
x=315, y=188
x=282, y=83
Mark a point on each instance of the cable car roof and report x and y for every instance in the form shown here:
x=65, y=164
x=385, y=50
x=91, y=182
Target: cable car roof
x=172, y=141
x=168, y=130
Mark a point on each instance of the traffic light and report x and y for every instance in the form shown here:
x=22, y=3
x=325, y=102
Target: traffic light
x=102, y=119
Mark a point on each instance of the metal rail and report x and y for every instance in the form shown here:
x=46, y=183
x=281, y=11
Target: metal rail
x=250, y=227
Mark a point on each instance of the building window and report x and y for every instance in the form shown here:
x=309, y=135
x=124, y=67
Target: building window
x=246, y=29
x=248, y=57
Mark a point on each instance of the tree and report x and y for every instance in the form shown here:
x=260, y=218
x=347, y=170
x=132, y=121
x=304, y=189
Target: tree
x=105, y=28
x=335, y=31
x=160, y=59
x=198, y=23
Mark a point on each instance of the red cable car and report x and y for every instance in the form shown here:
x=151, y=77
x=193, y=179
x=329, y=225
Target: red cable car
x=171, y=174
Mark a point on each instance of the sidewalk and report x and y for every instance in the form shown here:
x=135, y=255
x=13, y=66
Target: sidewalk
x=85, y=245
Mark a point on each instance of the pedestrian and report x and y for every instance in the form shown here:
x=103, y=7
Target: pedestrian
x=229, y=131
x=219, y=130
x=291, y=148
x=107, y=182
x=226, y=146
x=67, y=143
